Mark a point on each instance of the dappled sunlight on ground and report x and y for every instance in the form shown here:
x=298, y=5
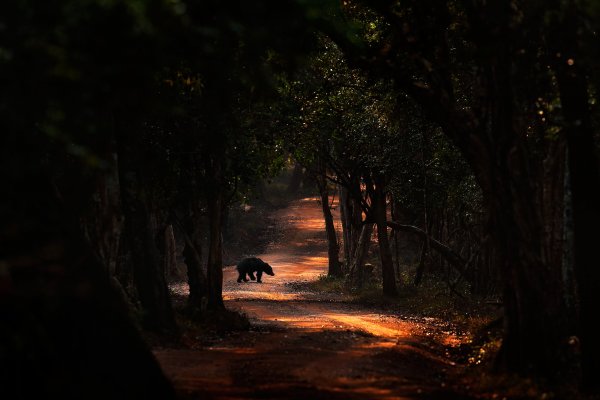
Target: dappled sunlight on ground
x=313, y=362
x=317, y=315
x=307, y=345
x=264, y=295
x=366, y=325
x=299, y=256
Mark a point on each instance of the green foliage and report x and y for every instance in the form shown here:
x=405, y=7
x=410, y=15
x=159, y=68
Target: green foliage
x=330, y=112
x=329, y=284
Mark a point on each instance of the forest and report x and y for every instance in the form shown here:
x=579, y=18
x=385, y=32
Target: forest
x=375, y=153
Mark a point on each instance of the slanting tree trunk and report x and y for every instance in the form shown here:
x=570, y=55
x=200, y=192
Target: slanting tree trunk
x=385, y=253
x=215, y=202
x=449, y=255
x=333, y=247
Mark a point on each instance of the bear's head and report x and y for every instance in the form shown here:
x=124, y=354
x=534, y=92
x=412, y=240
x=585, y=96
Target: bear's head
x=268, y=270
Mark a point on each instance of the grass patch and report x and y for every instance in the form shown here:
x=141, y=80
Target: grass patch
x=327, y=284
x=431, y=299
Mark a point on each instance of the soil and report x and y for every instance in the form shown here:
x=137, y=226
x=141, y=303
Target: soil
x=309, y=345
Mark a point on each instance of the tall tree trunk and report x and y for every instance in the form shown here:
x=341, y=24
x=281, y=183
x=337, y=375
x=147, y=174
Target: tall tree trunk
x=66, y=328
x=385, y=254
x=170, y=251
x=196, y=280
x=534, y=341
x=346, y=227
x=351, y=209
x=536, y=332
x=567, y=259
x=585, y=190
x=421, y=266
x=148, y=273
x=356, y=215
x=102, y=224
x=394, y=213
x=356, y=275
x=296, y=179
x=333, y=248
x=192, y=253
x=124, y=265
x=215, y=202
x=66, y=333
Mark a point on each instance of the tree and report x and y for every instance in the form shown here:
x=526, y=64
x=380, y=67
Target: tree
x=333, y=248
x=430, y=50
x=79, y=86
x=56, y=148
x=351, y=129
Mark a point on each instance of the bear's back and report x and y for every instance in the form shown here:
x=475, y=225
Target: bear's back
x=250, y=263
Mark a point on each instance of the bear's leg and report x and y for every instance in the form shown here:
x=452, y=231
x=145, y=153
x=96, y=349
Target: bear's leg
x=251, y=274
x=242, y=277
x=245, y=278
x=259, y=277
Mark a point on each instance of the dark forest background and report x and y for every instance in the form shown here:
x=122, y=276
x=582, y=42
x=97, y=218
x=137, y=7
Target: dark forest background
x=130, y=129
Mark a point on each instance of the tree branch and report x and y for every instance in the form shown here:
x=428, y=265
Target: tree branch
x=450, y=255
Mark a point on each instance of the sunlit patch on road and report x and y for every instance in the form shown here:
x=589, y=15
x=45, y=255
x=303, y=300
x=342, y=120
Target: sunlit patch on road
x=311, y=344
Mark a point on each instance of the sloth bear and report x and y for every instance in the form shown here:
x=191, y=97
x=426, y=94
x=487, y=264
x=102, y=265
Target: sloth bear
x=250, y=266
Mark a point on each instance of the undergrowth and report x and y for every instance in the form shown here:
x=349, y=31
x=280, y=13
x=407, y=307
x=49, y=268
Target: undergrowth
x=479, y=319
x=431, y=299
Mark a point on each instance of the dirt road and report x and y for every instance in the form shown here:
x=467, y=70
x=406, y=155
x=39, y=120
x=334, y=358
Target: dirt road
x=306, y=345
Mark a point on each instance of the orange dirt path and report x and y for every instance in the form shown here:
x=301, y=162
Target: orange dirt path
x=307, y=345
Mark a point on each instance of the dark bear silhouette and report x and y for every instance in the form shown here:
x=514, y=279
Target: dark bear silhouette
x=251, y=265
